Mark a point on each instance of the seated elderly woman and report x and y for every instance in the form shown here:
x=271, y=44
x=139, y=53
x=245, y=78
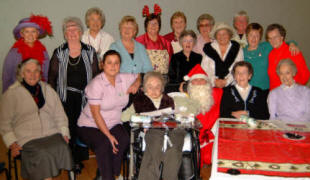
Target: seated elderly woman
x=34, y=124
x=183, y=61
x=291, y=101
x=153, y=99
x=100, y=125
x=242, y=98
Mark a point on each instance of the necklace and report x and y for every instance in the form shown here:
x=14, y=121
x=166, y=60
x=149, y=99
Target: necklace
x=253, y=54
x=77, y=62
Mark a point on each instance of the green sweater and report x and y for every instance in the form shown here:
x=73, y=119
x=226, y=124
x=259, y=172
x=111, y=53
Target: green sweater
x=259, y=60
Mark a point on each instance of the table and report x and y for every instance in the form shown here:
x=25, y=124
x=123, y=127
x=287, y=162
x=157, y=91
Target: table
x=259, y=153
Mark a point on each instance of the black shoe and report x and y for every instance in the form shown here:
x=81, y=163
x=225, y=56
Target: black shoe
x=78, y=168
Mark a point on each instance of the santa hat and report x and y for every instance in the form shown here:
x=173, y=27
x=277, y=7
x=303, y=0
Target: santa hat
x=195, y=73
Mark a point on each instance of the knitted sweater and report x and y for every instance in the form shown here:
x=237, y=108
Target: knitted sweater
x=21, y=121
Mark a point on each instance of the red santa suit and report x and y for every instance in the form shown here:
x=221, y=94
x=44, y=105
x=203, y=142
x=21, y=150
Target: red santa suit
x=207, y=120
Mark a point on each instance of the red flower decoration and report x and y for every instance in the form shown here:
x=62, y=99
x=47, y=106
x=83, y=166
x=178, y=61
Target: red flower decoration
x=145, y=11
x=157, y=9
x=43, y=22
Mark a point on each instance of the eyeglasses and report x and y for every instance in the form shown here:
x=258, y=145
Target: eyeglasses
x=204, y=25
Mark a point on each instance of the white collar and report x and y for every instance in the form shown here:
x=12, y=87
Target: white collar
x=239, y=88
x=285, y=87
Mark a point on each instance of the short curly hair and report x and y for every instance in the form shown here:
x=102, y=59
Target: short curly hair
x=150, y=18
x=279, y=27
x=95, y=10
x=243, y=64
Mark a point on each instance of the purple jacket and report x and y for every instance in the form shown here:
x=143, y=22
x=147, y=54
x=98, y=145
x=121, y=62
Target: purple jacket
x=10, y=67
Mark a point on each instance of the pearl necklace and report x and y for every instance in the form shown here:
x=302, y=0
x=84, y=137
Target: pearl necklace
x=77, y=62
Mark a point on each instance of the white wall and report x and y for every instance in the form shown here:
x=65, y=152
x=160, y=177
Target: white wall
x=294, y=15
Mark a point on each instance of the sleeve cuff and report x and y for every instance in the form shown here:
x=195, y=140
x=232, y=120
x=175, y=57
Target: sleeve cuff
x=9, y=139
x=65, y=132
x=94, y=101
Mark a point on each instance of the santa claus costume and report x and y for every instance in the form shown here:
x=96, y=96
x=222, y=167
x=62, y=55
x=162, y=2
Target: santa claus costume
x=210, y=100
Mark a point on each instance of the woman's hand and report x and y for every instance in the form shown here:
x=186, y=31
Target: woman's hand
x=238, y=114
x=181, y=86
x=66, y=139
x=133, y=88
x=294, y=50
x=135, y=85
x=220, y=83
x=15, y=149
x=95, y=110
x=114, y=142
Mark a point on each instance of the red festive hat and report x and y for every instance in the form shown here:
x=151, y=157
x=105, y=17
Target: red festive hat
x=39, y=22
x=195, y=73
x=146, y=10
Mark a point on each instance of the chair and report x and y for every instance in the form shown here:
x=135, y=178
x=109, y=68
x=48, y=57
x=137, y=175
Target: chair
x=3, y=169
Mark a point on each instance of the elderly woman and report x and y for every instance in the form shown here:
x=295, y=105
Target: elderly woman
x=72, y=66
x=134, y=56
x=100, y=125
x=242, y=98
x=178, y=25
x=182, y=62
x=94, y=35
x=154, y=99
x=205, y=23
x=257, y=53
x=158, y=48
x=34, y=124
x=27, y=32
x=241, y=21
x=275, y=34
x=221, y=55
x=290, y=101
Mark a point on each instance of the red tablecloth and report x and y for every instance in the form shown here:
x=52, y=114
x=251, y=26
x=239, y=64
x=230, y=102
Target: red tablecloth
x=262, y=150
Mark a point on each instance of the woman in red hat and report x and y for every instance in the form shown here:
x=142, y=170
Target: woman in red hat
x=27, y=45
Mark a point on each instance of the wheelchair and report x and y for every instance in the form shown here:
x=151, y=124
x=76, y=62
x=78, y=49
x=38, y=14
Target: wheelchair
x=190, y=167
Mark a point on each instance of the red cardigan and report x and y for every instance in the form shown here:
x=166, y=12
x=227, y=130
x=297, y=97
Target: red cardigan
x=278, y=54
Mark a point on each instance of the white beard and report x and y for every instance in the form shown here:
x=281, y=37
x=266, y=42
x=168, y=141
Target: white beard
x=203, y=95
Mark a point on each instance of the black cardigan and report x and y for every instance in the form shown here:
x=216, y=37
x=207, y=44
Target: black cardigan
x=256, y=103
x=179, y=67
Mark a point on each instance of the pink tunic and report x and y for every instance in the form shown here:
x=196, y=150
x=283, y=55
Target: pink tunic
x=112, y=99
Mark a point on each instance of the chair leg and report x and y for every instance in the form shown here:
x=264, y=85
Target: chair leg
x=10, y=165
x=7, y=174
x=15, y=169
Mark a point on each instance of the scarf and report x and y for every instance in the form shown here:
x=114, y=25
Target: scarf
x=35, y=52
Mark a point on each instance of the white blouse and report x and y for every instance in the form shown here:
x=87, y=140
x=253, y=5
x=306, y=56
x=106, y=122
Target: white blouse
x=208, y=64
x=101, y=43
